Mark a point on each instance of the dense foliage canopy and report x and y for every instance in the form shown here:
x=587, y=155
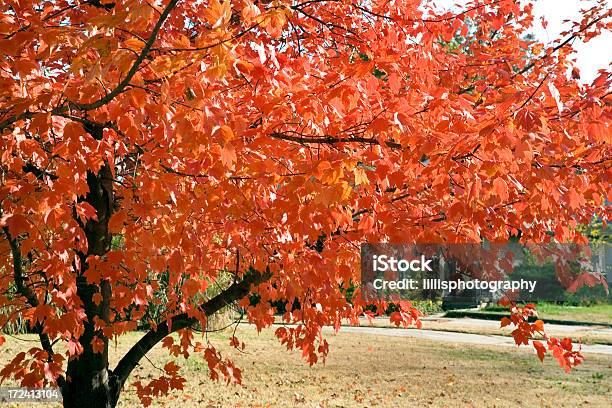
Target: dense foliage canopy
x=178, y=140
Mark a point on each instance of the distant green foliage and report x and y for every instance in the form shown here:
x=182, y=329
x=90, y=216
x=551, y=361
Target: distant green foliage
x=426, y=307
x=549, y=287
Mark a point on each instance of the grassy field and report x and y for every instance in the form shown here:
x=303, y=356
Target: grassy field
x=369, y=370
x=594, y=314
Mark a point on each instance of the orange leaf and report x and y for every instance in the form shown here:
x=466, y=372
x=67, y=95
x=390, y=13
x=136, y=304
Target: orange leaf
x=540, y=349
x=538, y=325
x=97, y=345
x=228, y=156
x=171, y=368
x=501, y=189
x=17, y=224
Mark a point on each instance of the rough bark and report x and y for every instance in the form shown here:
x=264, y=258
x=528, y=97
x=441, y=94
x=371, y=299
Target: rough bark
x=88, y=380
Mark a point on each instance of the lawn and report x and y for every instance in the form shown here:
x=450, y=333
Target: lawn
x=370, y=370
x=594, y=314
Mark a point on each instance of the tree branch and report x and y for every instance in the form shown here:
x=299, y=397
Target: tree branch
x=143, y=53
x=234, y=292
x=28, y=293
x=116, y=91
x=331, y=139
x=548, y=54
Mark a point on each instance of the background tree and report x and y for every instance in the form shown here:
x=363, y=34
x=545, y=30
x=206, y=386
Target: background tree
x=180, y=138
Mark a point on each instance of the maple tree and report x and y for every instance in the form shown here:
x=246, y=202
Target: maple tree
x=268, y=139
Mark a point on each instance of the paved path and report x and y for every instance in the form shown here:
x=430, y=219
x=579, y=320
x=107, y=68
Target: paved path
x=454, y=337
x=494, y=324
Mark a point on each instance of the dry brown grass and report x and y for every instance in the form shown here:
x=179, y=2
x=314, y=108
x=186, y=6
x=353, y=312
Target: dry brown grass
x=370, y=370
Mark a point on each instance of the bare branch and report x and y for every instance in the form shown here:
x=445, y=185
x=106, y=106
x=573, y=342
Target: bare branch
x=234, y=292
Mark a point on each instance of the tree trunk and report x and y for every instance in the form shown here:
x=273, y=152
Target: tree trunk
x=89, y=382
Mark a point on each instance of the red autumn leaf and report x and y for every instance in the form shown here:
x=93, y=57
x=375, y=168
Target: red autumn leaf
x=177, y=383
x=538, y=325
x=167, y=342
x=520, y=336
x=575, y=200
x=97, y=298
x=396, y=318
x=501, y=189
x=171, y=368
x=190, y=287
x=587, y=278
x=504, y=301
x=16, y=223
x=42, y=312
x=527, y=120
x=74, y=349
x=540, y=349
x=566, y=343
x=234, y=342
x=228, y=155
x=85, y=211
x=366, y=223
